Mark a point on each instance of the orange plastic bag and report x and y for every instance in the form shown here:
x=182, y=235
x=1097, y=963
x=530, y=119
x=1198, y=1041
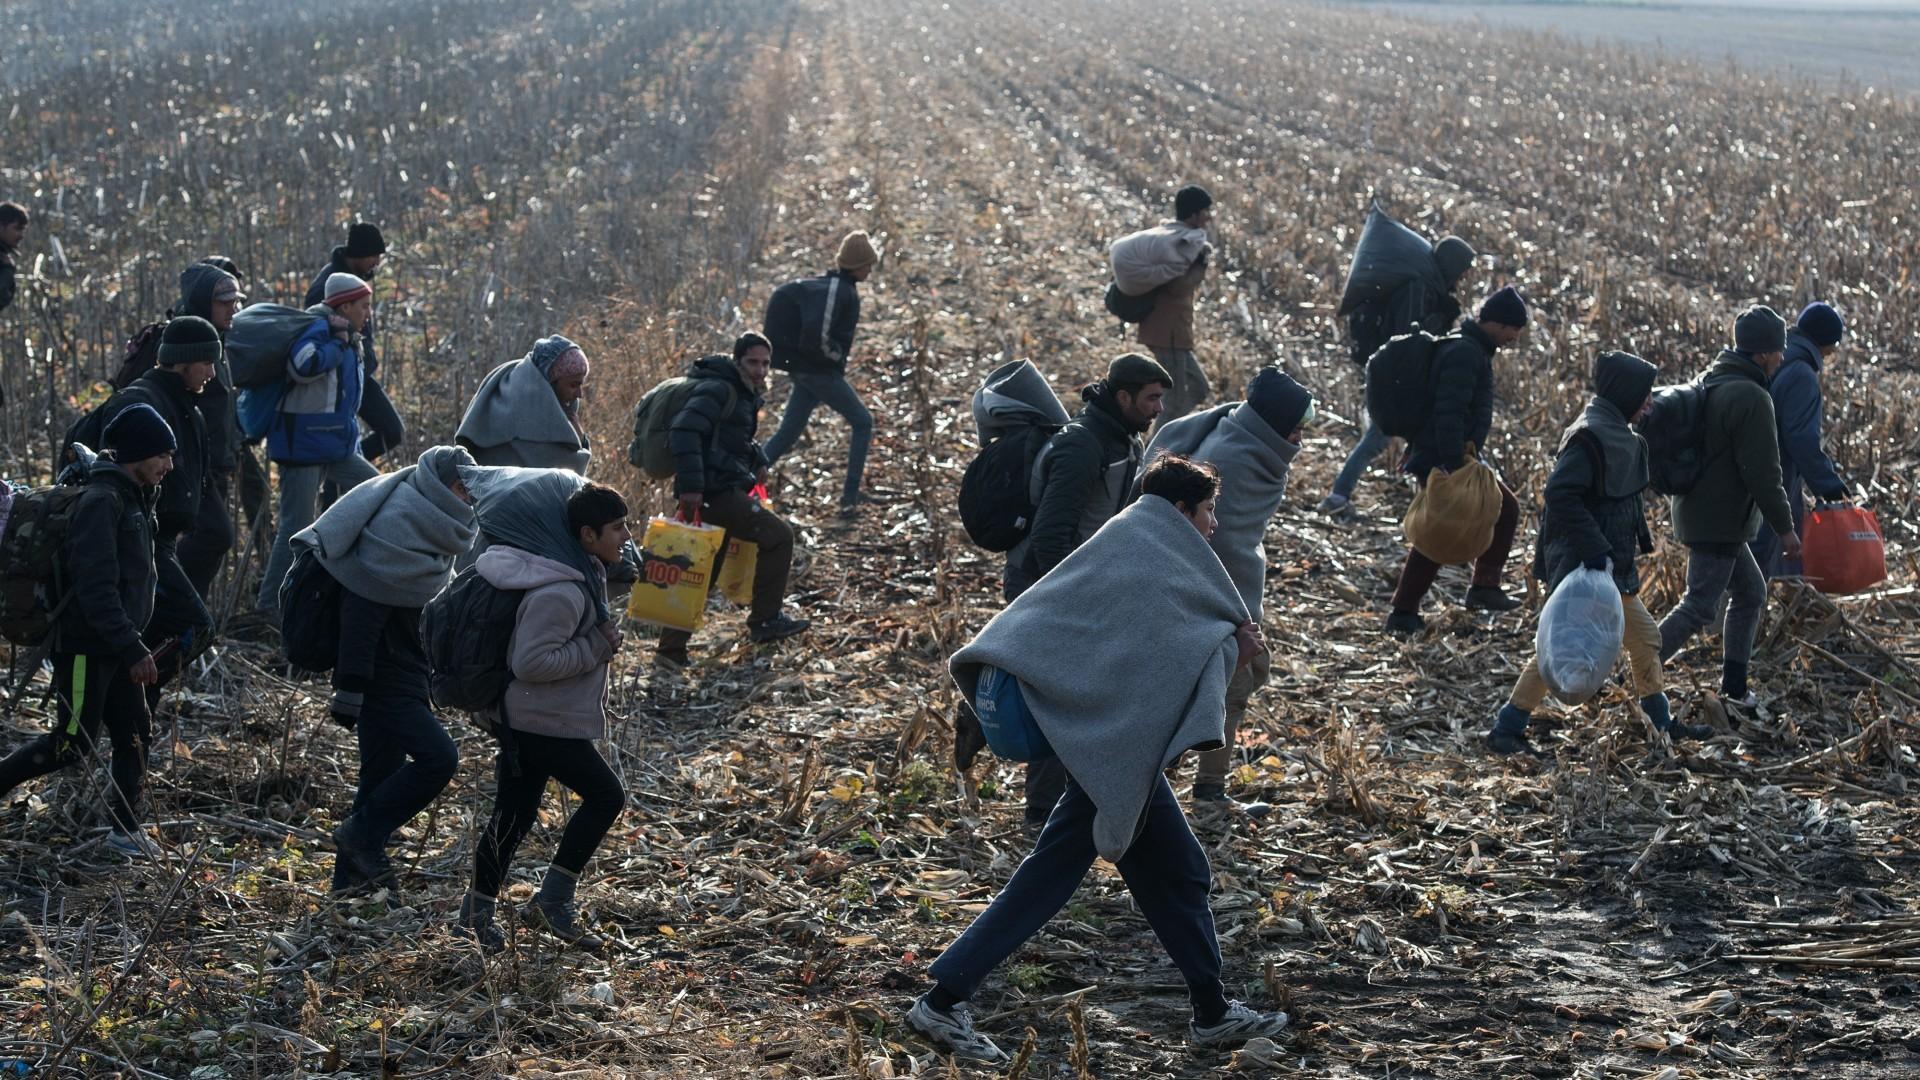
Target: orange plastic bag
x=736, y=572
x=1843, y=550
x=1453, y=514
x=676, y=569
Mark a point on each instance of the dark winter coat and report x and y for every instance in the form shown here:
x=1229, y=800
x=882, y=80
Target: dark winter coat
x=380, y=650
x=317, y=293
x=826, y=335
x=1593, y=504
x=1740, y=479
x=1462, y=411
x=7, y=284
x=1082, y=477
x=734, y=460
x=1416, y=305
x=179, y=498
x=216, y=402
x=1798, y=419
x=109, y=558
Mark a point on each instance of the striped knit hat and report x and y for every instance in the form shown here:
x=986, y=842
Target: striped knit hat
x=344, y=289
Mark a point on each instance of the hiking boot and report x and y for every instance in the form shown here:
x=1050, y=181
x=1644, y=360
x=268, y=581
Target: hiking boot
x=1405, y=622
x=953, y=1032
x=1696, y=732
x=356, y=865
x=1211, y=800
x=1489, y=598
x=561, y=919
x=671, y=661
x=1233, y=1029
x=475, y=923
x=1506, y=743
x=851, y=505
x=777, y=628
x=134, y=844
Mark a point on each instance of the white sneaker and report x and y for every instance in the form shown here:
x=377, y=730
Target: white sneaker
x=1236, y=1027
x=134, y=845
x=953, y=1032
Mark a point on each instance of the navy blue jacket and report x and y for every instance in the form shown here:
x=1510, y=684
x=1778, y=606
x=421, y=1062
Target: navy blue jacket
x=1797, y=410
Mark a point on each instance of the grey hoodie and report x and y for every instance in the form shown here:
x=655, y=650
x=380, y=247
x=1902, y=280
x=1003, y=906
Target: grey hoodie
x=558, y=655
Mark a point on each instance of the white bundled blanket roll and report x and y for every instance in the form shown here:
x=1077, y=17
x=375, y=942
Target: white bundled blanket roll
x=1578, y=641
x=1148, y=259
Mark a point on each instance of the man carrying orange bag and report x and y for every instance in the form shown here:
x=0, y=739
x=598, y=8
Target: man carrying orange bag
x=1462, y=413
x=1797, y=411
x=717, y=462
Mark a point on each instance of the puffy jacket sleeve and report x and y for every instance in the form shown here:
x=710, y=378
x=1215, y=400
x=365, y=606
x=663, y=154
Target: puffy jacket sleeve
x=1756, y=452
x=93, y=556
x=690, y=435
x=1070, y=470
x=362, y=624
x=1797, y=408
x=1457, y=403
x=545, y=647
x=1572, y=480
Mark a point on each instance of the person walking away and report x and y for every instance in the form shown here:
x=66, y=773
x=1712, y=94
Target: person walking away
x=1739, y=486
x=390, y=544
x=814, y=351
x=1251, y=444
x=100, y=664
x=717, y=463
x=1117, y=706
x=554, y=548
x=362, y=256
x=315, y=437
x=527, y=411
x=1798, y=411
x=1083, y=476
x=1595, y=518
x=1462, y=413
x=1416, y=305
x=1167, y=331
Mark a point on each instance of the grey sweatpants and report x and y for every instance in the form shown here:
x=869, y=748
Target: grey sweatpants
x=1712, y=572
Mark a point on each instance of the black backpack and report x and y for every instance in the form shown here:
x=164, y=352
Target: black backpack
x=1676, y=433
x=995, y=506
x=1400, y=384
x=1367, y=330
x=310, y=613
x=142, y=352
x=1128, y=308
x=467, y=631
x=796, y=314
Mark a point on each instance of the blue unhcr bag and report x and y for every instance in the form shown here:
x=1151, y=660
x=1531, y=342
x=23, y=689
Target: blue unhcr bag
x=1006, y=720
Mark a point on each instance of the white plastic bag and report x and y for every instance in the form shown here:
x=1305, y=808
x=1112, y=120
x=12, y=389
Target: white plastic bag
x=1148, y=259
x=1578, y=641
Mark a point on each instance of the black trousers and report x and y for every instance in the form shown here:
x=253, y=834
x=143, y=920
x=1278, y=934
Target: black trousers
x=516, y=806
x=204, y=547
x=89, y=691
x=406, y=761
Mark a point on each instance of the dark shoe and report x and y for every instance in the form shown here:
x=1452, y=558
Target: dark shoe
x=562, y=920
x=777, y=628
x=476, y=924
x=672, y=661
x=1405, y=622
x=1696, y=732
x=854, y=503
x=1489, y=598
x=1512, y=742
x=357, y=865
x=1211, y=800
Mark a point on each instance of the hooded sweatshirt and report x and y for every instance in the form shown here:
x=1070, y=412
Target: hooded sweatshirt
x=558, y=655
x=1593, y=496
x=197, y=285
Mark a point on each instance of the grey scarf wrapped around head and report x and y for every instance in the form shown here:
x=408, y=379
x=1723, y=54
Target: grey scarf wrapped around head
x=394, y=538
x=527, y=509
x=516, y=407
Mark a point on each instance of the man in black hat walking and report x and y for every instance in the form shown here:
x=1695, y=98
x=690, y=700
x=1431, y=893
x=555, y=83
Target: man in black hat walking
x=361, y=256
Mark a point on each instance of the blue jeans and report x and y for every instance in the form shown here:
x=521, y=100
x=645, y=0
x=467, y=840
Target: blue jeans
x=406, y=761
x=1165, y=870
x=1372, y=442
x=299, y=488
x=812, y=389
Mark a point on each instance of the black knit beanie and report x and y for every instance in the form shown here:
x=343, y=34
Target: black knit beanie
x=188, y=339
x=138, y=433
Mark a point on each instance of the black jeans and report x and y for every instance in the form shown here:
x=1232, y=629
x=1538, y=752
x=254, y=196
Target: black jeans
x=179, y=617
x=1165, y=870
x=202, y=548
x=90, y=690
x=516, y=805
x=406, y=760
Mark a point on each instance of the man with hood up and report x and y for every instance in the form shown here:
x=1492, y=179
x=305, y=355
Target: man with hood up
x=1798, y=411
x=1252, y=444
x=1426, y=302
x=211, y=293
x=1595, y=519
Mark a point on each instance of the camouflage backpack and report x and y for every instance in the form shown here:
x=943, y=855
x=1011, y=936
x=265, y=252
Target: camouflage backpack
x=33, y=572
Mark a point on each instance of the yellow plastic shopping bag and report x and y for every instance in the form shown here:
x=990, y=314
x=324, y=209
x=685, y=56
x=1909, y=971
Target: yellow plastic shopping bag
x=736, y=571
x=676, y=569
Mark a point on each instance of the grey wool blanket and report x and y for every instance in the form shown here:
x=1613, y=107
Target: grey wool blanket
x=1253, y=460
x=1123, y=652
x=515, y=419
x=393, y=538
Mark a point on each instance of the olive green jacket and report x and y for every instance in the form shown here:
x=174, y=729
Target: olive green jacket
x=1740, y=482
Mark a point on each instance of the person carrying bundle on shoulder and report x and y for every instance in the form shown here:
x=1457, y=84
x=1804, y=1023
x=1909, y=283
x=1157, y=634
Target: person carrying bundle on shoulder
x=1595, y=519
x=1116, y=663
x=554, y=537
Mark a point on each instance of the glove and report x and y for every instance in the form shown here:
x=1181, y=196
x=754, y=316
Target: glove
x=1837, y=495
x=345, y=707
x=1598, y=562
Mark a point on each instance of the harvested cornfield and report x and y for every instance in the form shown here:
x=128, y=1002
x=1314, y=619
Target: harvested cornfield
x=797, y=845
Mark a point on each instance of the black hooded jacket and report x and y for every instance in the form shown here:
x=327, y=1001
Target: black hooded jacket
x=1594, y=508
x=162, y=388
x=216, y=402
x=109, y=559
x=714, y=450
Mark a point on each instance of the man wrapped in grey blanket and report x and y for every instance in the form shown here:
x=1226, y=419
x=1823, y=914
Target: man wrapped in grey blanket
x=1163, y=629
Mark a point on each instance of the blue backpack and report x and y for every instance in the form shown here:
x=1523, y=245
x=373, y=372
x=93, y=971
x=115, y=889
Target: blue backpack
x=1005, y=719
